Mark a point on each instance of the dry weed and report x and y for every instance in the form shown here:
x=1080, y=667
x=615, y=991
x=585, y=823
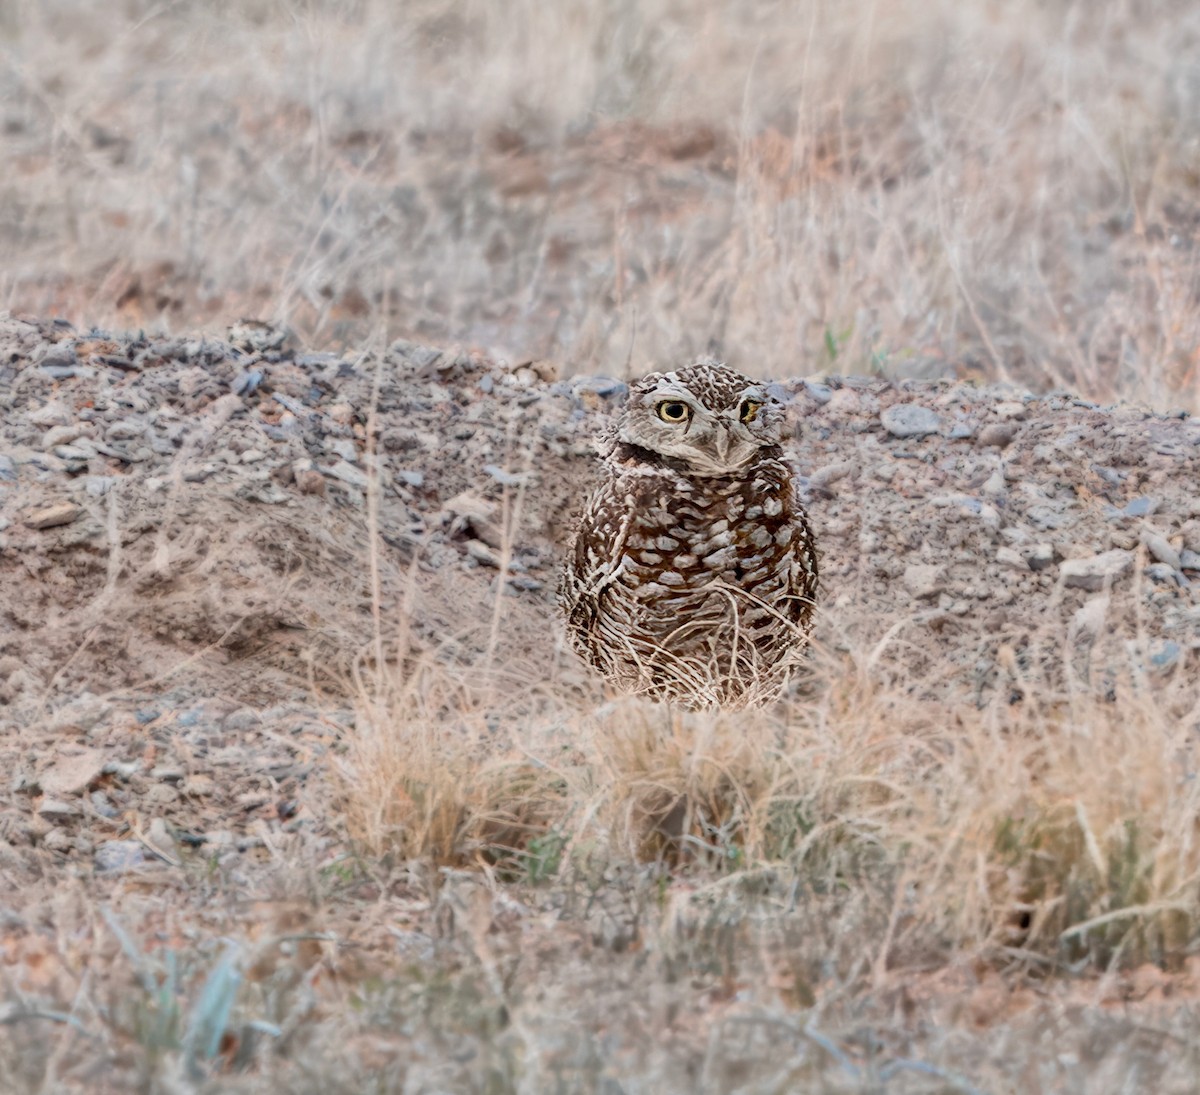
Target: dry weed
x=1037, y=825
x=886, y=185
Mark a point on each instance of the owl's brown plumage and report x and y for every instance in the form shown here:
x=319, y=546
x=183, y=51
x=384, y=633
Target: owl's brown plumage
x=693, y=570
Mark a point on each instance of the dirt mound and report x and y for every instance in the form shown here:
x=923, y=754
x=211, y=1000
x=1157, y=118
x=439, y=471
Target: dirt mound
x=204, y=502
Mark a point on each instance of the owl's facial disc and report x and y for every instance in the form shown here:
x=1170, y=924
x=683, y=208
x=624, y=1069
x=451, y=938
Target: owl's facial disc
x=668, y=418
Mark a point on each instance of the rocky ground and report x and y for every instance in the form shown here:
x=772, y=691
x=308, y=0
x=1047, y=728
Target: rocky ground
x=188, y=581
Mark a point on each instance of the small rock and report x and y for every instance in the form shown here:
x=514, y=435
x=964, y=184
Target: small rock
x=481, y=553
x=1010, y=409
x=1010, y=557
x=924, y=581
x=1140, y=507
x=1160, y=549
x=56, y=809
x=253, y=456
x=504, y=478
x=242, y=720
x=820, y=393
x=61, y=513
x=349, y=474
x=310, y=482
x=70, y=775
x=1040, y=557
x=52, y=414
x=1189, y=560
x=844, y=402
x=167, y=773
x=58, y=840
x=8, y=470
x=910, y=420
x=199, y=785
x=997, y=435
x=125, y=429
x=61, y=435
x=116, y=856
x=1165, y=654
x=831, y=473
x=102, y=804
x=160, y=836
x=343, y=447
x=1097, y=571
x=1160, y=572
x=412, y=478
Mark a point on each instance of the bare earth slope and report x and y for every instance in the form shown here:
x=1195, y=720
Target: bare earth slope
x=201, y=499
x=187, y=584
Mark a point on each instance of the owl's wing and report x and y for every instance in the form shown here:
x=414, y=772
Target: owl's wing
x=804, y=572
x=594, y=562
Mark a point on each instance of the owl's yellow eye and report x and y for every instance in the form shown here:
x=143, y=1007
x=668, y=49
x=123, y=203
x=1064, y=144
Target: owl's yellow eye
x=749, y=409
x=674, y=410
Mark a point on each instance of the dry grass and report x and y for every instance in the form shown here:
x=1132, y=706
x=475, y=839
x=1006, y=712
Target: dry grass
x=1041, y=829
x=999, y=190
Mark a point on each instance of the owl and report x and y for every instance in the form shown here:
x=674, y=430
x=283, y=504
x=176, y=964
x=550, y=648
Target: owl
x=693, y=570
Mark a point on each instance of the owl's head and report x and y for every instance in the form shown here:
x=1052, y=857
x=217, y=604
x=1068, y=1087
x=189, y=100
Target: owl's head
x=709, y=417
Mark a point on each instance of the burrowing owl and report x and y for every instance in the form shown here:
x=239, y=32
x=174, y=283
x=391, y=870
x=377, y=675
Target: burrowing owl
x=692, y=574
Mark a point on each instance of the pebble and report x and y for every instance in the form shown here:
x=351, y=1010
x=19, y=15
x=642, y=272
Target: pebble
x=820, y=393
x=1010, y=557
x=8, y=470
x=910, y=420
x=70, y=774
x=61, y=435
x=1189, y=560
x=61, y=513
x=343, y=447
x=102, y=804
x=1010, y=409
x=1165, y=654
x=504, y=478
x=58, y=840
x=1096, y=572
x=348, y=474
x=1040, y=557
x=997, y=435
x=310, y=482
x=57, y=809
x=1140, y=507
x=831, y=473
x=242, y=720
x=924, y=580
x=1160, y=549
x=481, y=553
x=117, y=856
x=51, y=414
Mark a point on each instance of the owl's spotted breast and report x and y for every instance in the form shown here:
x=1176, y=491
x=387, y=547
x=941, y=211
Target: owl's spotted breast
x=693, y=589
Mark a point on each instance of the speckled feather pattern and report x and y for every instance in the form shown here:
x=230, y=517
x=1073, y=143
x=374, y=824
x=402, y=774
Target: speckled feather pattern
x=694, y=589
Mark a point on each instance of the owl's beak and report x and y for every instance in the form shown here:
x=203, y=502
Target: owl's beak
x=724, y=442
